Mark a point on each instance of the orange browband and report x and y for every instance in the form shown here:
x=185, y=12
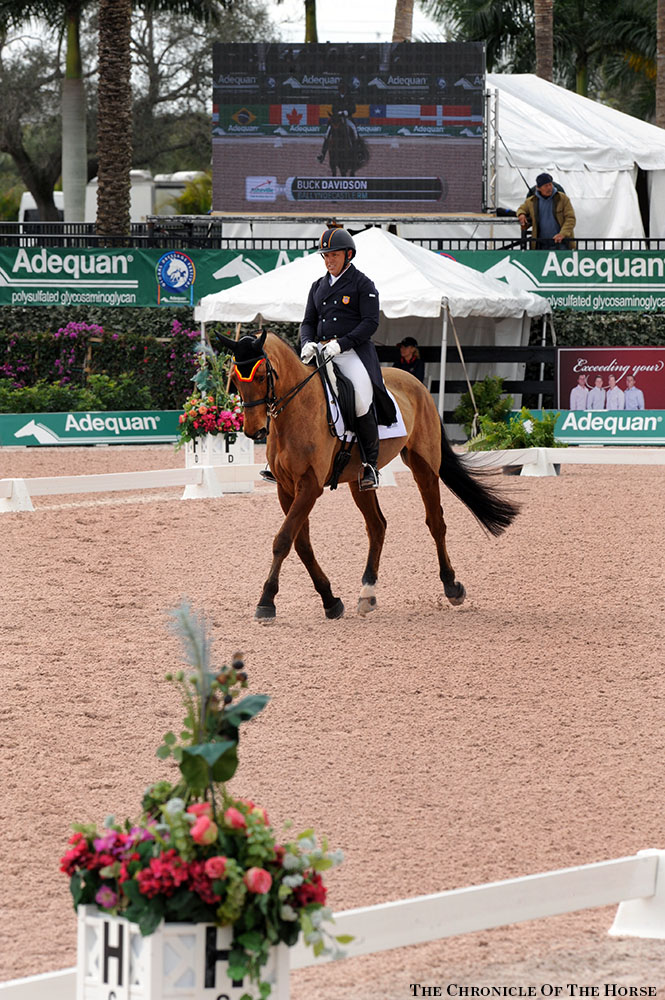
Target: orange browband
x=250, y=377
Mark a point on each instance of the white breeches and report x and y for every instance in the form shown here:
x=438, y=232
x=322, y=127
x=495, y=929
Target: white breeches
x=350, y=365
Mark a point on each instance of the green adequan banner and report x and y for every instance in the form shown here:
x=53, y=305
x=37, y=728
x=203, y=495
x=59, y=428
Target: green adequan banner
x=578, y=279
x=101, y=427
x=629, y=427
x=611, y=427
x=40, y=276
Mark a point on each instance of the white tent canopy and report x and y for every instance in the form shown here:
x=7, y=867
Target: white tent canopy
x=418, y=291
x=569, y=131
x=411, y=281
x=593, y=151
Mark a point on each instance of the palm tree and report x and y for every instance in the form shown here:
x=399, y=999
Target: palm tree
x=114, y=117
x=403, y=24
x=311, y=34
x=544, y=31
x=660, y=64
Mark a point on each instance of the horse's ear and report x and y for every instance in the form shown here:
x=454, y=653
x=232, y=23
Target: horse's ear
x=262, y=339
x=226, y=342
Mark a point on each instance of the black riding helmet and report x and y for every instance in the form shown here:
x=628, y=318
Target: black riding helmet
x=336, y=239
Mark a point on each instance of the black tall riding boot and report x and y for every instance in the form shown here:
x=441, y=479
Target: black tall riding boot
x=368, y=439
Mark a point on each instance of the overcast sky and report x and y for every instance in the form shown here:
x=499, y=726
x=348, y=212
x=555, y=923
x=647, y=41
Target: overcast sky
x=349, y=20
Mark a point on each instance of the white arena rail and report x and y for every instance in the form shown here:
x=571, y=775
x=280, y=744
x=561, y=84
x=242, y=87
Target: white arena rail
x=208, y=481
x=636, y=883
x=200, y=482
x=541, y=461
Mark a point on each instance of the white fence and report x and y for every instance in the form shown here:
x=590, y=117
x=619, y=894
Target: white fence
x=542, y=461
x=208, y=481
x=200, y=482
x=636, y=883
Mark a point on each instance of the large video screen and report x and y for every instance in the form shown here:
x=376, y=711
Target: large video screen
x=386, y=128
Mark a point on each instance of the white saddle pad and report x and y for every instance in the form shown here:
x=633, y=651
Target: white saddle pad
x=397, y=429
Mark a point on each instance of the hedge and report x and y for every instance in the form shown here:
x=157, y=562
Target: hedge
x=148, y=356
x=599, y=329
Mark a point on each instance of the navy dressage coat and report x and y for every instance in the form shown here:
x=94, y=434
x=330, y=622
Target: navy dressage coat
x=348, y=312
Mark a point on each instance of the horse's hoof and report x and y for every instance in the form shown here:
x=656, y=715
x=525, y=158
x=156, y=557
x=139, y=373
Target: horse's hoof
x=336, y=611
x=265, y=612
x=365, y=605
x=455, y=594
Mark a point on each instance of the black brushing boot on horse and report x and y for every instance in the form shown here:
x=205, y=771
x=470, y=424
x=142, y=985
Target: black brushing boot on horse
x=367, y=432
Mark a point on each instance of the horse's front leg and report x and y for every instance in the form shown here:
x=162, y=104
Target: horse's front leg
x=375, y=524
x=333, y=606
x=306, y=496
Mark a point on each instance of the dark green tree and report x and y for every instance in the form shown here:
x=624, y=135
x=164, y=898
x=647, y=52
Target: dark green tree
x=29, y=119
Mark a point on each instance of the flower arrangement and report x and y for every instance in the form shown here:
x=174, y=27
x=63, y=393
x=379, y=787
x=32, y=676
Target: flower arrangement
x=210, y=409
x=198, y=854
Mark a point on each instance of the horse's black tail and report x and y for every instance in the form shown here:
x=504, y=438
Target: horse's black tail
x=493, y=511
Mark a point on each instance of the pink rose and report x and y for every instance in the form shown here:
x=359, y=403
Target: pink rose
x=215, y=867
x=204, y=831
x=258, y=880
x=234, y=818
x=200, y=809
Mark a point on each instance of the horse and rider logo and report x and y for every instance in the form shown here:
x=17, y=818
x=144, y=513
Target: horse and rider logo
x=175, y=273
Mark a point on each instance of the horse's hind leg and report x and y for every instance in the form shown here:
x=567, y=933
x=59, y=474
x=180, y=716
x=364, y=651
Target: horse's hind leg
x=427, y=482
x=333, y=606
x=375, y=524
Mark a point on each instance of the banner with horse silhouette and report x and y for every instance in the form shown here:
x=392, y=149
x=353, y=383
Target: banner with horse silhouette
x=319, y=126
x=37, y=276
x=589, y=280
x=100, y=427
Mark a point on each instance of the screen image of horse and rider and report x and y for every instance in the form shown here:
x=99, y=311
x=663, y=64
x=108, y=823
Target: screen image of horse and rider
x=305, y=129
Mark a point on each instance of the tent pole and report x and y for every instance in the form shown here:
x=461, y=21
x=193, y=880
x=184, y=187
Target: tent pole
x=444, y=348
x=543, y=340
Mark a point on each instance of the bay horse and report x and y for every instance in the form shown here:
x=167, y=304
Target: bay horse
x=284, y=404
x=347, y=152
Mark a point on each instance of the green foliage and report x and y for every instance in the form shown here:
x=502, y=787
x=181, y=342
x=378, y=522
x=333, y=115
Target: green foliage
x=598, y=329
x=101, y=393
x=207, y=751
x=606, y=51
x=155, y=322
x=522, y=430
x=122, y=393
x=131, y=370
x=490, y=402
x=196, y=199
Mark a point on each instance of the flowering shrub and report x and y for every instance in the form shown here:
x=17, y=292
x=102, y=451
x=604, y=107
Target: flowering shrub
x=161, y=366
x=199, y=854
x=210, y=409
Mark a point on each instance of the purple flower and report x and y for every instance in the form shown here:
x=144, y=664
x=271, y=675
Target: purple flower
x=106, y=897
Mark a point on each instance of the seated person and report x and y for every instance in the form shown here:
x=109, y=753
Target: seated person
x=409, y=358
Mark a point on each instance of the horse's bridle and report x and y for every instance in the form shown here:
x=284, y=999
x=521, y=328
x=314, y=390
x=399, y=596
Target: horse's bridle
x=274, y=405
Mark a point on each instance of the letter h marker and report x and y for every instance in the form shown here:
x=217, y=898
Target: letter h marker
x=214, y=955
x=111, y=951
